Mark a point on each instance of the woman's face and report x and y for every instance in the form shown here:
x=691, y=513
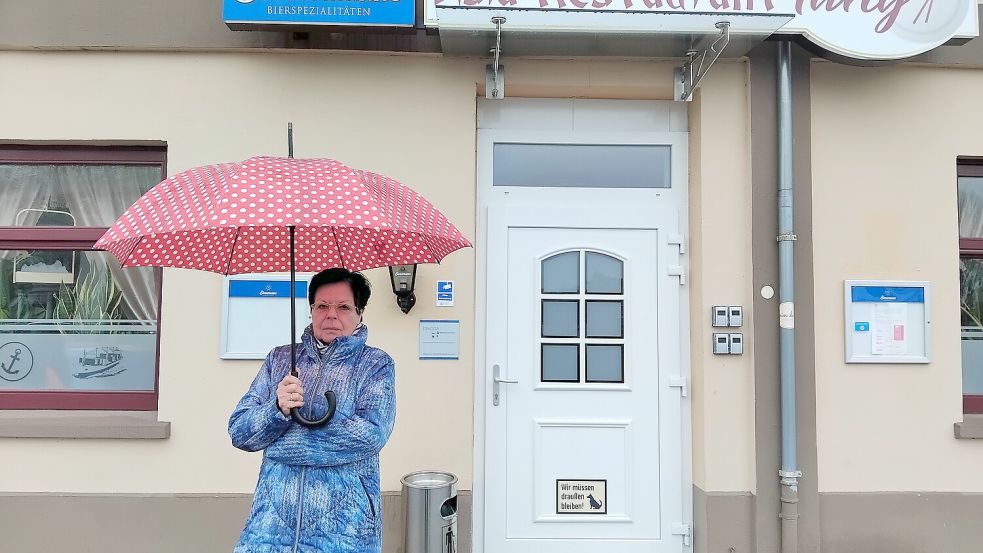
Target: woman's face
x=333, y=312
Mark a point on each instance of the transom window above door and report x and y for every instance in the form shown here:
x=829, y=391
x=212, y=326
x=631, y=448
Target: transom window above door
x=583, y=165
x=582, y=324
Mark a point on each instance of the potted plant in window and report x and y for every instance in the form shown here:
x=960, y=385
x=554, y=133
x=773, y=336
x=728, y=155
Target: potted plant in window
x=6, y=279
x=971, y=275
x=95, y=297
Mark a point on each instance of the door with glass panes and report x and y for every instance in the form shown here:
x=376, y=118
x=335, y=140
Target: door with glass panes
x=583, y=440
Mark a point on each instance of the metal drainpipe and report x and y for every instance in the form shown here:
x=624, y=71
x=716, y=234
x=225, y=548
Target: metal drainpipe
x=789, y=473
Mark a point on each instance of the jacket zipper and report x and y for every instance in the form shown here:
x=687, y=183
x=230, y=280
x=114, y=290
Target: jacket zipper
x=303, y=470
x=300, y=508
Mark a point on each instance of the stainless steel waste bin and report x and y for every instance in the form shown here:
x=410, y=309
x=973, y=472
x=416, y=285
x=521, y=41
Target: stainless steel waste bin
x=430, y=498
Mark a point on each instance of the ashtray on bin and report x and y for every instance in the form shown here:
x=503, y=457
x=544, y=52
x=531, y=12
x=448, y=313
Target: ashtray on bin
x=430, y=498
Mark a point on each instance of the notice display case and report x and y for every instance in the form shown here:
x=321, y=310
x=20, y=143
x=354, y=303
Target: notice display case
x=887, y=321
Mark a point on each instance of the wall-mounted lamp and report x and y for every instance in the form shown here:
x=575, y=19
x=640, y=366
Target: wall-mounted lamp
x=403, y=277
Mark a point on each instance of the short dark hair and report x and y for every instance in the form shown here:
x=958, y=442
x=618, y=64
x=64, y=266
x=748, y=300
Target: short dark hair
x=359, y=284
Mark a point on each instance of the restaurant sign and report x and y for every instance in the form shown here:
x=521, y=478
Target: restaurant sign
x=244, y=14
x=858, y=29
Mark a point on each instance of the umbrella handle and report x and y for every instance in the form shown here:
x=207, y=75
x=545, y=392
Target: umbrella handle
x=315, y=423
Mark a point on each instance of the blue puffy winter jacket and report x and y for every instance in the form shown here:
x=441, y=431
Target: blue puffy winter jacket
x=318, y=489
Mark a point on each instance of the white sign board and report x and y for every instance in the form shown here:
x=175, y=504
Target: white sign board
x=440, y=339
x=887, y=321
x=581, y=497
x=256, y=314
x=858, y=29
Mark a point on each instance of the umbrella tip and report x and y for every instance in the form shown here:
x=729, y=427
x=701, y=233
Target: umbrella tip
x=290, y=140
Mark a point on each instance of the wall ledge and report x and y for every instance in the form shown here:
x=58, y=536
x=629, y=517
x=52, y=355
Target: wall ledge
x=971, y=428
x=123, y=425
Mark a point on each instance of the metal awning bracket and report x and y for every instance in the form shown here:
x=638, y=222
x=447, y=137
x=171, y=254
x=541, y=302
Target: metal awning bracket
x=698, y=63
x=495, y=73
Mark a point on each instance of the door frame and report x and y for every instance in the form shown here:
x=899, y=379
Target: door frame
x=513, y=120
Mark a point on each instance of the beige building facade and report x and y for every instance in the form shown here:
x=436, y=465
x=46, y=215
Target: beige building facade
x=889, y=452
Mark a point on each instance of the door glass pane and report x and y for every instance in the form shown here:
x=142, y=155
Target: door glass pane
x=73, y=320
x=561, y=274
x=582, y=165
x=71, y=195
x=604, y=274
x=561, y=363
x=561, y=319
x=605, y=319
x=605, y=363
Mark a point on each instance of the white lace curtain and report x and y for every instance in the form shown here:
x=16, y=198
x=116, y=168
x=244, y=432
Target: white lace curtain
x=24, y=190
x=971, y=207
x=95, y=195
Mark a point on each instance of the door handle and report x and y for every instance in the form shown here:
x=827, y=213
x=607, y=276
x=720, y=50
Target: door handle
x=497, y=376
x=497, y=382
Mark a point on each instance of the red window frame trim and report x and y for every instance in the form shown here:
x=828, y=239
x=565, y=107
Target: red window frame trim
x=969, y=167
x=972, y=404
x=94, y=152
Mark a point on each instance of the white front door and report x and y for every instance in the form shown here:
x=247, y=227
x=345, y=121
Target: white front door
x=583, y=431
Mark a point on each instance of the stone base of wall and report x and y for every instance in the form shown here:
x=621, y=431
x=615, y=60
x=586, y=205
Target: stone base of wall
x=907, y=522
x=901, y=522
x=724, y=523
x=186, y=523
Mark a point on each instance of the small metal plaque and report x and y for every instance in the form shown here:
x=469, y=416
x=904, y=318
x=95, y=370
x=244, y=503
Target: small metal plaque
x=440, y=339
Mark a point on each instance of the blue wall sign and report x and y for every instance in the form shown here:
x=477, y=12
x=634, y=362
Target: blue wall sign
x=394, y=13
x=445, y=293
x=265, y=289
x=899, y=294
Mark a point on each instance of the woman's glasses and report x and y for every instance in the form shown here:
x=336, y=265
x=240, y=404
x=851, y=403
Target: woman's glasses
x=343, y=308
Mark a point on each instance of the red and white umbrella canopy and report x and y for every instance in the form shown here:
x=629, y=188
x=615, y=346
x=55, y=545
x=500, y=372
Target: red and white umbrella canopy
x=235, y=218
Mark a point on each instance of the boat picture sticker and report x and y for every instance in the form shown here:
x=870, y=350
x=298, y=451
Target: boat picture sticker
x=100, y=362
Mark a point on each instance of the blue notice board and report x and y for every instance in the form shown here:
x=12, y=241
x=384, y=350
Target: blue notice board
x=245, y=14
x=887, y=321
x=256, y=314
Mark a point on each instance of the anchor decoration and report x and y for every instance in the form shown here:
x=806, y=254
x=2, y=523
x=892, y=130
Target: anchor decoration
x=16, y=361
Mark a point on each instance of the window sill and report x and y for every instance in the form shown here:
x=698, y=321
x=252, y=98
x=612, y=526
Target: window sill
x=125, y=425
x=971, y=428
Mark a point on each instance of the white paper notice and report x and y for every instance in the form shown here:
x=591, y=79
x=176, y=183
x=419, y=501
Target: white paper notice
x=888, y=333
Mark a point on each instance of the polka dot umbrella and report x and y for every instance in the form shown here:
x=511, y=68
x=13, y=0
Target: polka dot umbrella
x=270, y=214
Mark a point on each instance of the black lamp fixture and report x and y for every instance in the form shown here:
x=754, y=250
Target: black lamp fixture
x=403, y=277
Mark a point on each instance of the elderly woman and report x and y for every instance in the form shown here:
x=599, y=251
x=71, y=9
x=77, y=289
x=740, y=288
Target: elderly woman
x=318, y=488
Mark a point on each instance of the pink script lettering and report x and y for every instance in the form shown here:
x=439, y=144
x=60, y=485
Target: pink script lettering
x=891, y=9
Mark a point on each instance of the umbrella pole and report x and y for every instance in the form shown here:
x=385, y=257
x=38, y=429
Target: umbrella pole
x=293, y=275
x=293, y=308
